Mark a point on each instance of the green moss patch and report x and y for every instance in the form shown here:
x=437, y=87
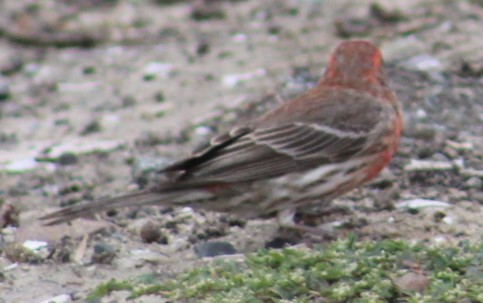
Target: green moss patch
x=342, y=271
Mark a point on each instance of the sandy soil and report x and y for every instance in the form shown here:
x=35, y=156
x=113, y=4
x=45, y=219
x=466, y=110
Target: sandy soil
x=96, y=94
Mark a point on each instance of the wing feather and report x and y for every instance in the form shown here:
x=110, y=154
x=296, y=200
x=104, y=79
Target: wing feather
x=277, y=151
x=277, y=145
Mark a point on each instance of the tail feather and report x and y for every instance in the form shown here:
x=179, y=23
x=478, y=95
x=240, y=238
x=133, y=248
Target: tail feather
x=80, y=210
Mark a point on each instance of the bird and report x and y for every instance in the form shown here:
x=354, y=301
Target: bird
x=308, y=151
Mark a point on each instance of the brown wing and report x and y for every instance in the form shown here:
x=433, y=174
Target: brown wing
x=271, y=149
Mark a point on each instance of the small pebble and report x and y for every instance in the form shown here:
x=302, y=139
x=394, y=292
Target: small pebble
x=201, y=135
x=92, y=127
x=203, y=131
x=151, y=233
x=474, y=182
x=421, y=203
x=412, y=282
x=421, y=113
x=202, y=48
x=440, y=240
x=212, y=249
x=103, y=253
x=21, y=165
x=424, y=62
x=157, y=69
x=34, y=245
x=463, y=146
x=448, y=220
x=234, y=79
x=59, y=299
x=459, y=163
x=203, y=10
x=469, y=172
x=144, y=164
x=427, y=165
x=67, y=159
x=10, y=267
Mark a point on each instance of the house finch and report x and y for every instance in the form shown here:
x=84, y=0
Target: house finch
x=316, y=147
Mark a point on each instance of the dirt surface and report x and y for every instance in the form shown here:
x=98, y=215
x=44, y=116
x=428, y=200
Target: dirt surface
x=96, y=94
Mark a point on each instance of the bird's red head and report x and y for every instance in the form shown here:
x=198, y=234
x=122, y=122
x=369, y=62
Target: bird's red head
x=355, y=60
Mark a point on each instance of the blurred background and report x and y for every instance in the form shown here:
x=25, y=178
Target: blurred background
x=95, y=95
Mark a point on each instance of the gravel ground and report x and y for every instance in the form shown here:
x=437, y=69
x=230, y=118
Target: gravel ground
x=96, y=94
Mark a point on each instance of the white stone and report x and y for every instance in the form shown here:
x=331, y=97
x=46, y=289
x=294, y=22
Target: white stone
x=421, y=203
x=234, y=79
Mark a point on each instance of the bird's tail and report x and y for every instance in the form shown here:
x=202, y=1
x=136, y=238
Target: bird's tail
x=135, y=199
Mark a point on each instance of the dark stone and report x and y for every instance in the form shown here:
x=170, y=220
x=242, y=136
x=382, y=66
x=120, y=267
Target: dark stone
x=103, y=253
x=67, y=159
x=151, y=233
x=212, y=249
